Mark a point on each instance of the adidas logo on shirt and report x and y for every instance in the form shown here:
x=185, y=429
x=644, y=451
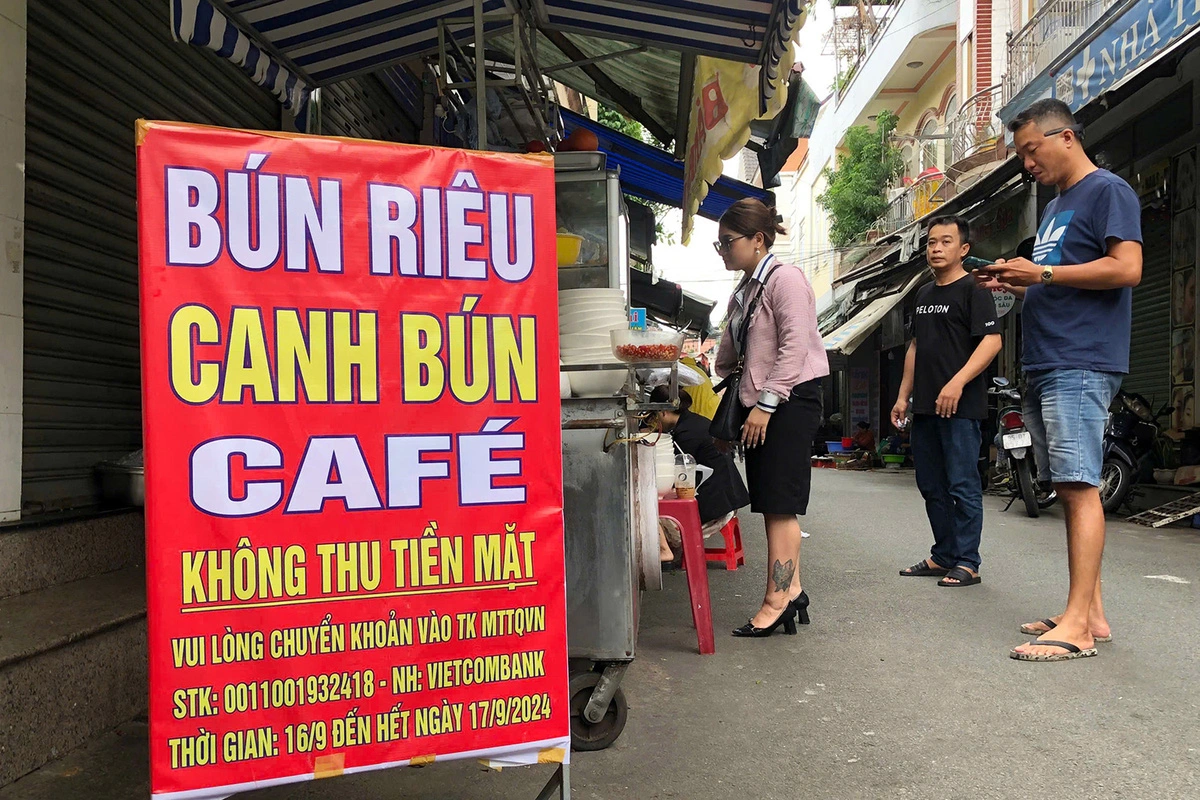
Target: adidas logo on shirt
x=1049, y=240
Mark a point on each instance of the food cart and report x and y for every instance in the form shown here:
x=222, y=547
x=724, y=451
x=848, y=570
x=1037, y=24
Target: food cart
x=609, y=496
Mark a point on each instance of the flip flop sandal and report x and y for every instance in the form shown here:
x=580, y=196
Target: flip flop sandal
x=963, y=577
x=922, y=570
x=1029, y=630
x=1050, y=624
x=1073, y=652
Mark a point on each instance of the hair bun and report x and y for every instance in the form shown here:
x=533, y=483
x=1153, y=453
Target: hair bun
x=776, y=219
x=750, y=216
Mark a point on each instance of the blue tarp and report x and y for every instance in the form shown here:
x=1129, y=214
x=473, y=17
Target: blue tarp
x=652, y=174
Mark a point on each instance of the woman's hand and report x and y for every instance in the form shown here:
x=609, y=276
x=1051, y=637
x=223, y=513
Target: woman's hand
x=754, y=432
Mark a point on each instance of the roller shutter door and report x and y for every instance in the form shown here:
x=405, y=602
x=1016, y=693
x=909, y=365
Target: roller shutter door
x=363, y=108
x=93, y=69
x=1150, y=339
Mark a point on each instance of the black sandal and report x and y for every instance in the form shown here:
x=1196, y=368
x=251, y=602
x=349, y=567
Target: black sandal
x=961, y=575
x=922, y=570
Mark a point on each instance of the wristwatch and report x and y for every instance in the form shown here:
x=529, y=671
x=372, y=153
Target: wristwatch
x=1048, y=275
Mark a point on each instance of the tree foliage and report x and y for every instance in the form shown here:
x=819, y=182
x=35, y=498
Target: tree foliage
x=856, y=189
x=611, y=118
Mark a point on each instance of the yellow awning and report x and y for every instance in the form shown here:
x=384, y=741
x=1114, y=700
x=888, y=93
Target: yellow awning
x=726, y=98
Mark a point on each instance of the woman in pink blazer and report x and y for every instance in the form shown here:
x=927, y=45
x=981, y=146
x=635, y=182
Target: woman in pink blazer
x=783, y=364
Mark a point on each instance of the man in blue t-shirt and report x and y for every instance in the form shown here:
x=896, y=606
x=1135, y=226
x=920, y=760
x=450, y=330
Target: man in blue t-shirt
x=1078, y=294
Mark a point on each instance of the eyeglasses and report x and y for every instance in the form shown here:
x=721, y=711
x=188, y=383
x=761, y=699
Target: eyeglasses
x=1075, y=129
x=723, y=245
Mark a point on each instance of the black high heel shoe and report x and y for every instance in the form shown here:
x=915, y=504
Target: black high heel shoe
x=801, y=606
x=786, y=619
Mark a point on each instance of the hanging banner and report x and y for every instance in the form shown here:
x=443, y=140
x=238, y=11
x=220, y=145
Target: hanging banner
x=353, y=457
x=727, y=97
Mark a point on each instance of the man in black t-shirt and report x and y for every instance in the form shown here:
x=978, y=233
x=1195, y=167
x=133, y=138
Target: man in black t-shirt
x=955, y=338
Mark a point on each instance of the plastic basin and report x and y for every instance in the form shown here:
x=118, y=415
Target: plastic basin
x=569, y=246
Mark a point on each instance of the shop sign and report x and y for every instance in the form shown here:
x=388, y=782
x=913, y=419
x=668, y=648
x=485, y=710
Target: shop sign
x=1004, y=300
x=860, y=397
x=1153, y=179
x=353, y=458
x=1145, y=30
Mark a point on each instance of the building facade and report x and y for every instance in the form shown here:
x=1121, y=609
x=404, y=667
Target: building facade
x=1129, y=72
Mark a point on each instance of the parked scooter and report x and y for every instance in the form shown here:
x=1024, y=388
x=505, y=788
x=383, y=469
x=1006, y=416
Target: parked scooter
x=1131, y=448
x=1014, y=451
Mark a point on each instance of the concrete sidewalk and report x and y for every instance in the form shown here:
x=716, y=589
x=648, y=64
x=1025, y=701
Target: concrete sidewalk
x=899, y=688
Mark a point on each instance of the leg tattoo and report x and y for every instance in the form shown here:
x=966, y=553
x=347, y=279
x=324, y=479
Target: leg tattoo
x=781, y=574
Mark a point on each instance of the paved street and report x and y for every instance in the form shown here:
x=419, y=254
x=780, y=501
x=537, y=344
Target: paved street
x=899, y=689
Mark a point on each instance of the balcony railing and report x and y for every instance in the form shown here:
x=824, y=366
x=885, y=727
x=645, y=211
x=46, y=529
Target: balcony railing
x=852, y=38
x=1054, y=27
x=899, y=213
x=914, y=201
x=975, y=126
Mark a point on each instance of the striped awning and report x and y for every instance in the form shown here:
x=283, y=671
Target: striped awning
x=290, y=47
x=750, y=31
x=198, y=22
x=731, y=29
x=789, y=15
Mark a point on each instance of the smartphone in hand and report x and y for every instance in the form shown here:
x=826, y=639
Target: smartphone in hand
x=973, y=263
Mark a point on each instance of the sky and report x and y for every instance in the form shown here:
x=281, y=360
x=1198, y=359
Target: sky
x=697, y=267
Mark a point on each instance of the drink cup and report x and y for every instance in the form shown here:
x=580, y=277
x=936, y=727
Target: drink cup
x=685, y=477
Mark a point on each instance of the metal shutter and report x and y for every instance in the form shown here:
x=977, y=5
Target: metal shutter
x=363, y=108
x=1150, y=339
x=94, y=68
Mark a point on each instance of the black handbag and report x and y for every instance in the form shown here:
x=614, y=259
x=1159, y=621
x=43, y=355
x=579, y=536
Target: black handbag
x=731, y=415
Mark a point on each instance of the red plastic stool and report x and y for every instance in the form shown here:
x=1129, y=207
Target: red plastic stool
x=732, y=553
x=686, y=516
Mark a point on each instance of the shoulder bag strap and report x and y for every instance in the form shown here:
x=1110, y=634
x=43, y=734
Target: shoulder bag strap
x=744, y=333
x=749, y=316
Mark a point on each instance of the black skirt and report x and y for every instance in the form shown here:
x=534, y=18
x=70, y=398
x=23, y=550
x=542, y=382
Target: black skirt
x=779, y=472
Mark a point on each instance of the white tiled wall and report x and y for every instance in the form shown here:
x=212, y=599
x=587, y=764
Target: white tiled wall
x=12, y=229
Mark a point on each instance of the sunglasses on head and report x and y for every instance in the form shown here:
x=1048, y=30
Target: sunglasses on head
x=1075, y=129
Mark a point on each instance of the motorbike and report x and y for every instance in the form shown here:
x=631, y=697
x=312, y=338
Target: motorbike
x=1014, y=451
x=1132, y=444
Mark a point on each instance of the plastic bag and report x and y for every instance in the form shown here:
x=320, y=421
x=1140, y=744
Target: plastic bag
x=661, y=376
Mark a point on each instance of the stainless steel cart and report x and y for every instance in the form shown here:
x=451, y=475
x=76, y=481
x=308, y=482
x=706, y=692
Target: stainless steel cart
x=604, y=498
x=609, y=498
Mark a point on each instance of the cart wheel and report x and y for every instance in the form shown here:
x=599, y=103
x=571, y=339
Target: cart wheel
x=585, y=735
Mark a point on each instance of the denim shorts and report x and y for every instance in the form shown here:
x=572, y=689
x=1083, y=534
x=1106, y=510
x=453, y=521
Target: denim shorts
x=1066, y=412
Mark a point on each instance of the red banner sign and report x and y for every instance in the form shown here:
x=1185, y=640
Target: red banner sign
x=353, y=457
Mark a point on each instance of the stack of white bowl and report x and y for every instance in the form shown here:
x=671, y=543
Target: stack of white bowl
x=664, y=465
x=585, y=317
